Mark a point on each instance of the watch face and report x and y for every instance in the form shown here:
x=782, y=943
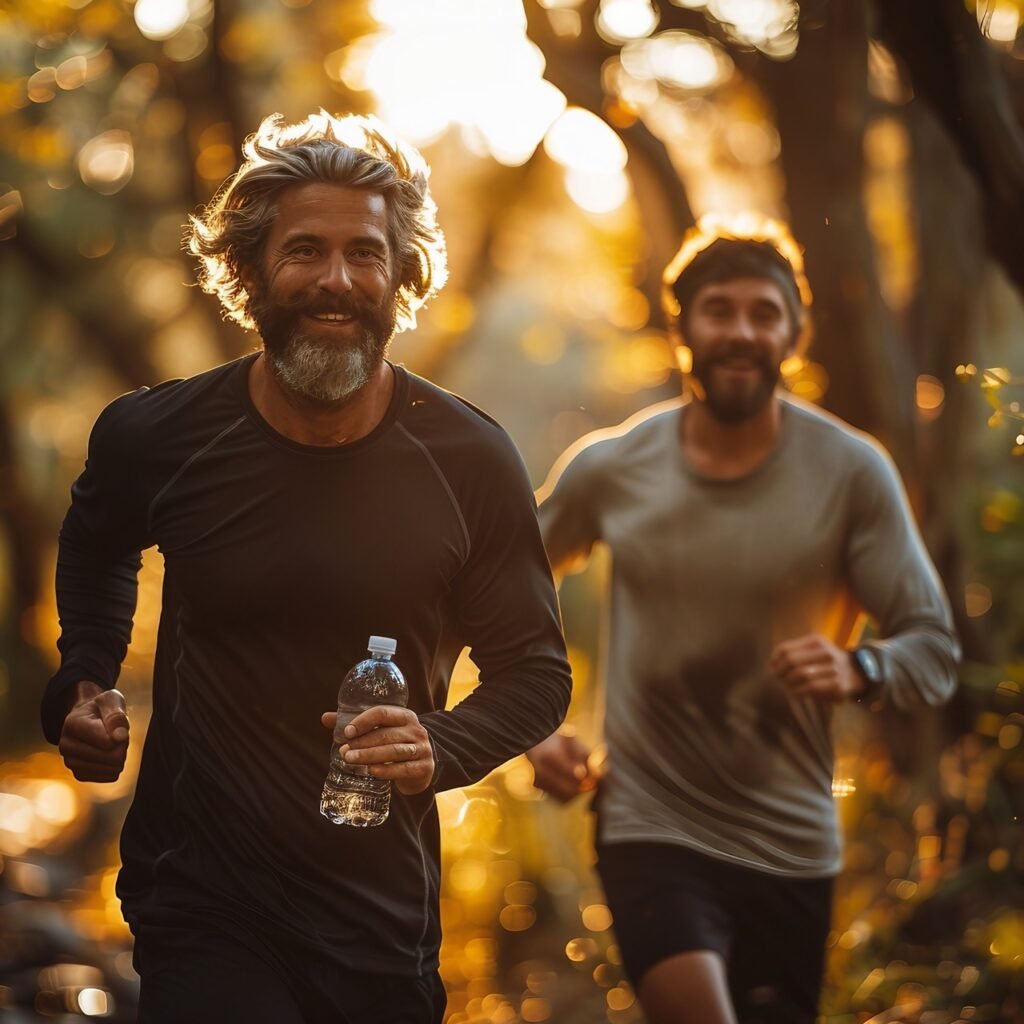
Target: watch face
x=867, y=661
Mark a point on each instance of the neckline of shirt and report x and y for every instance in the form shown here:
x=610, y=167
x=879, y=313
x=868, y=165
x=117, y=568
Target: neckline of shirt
x=683, y=460
x=391, y=414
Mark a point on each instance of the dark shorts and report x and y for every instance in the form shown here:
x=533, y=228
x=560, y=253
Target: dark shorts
x=206, y=970
x=667, y=899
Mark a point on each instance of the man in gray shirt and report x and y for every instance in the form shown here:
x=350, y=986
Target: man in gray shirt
x=744, y=527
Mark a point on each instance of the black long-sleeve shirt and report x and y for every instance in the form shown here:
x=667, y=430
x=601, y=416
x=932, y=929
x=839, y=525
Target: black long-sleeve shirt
x=281, y=559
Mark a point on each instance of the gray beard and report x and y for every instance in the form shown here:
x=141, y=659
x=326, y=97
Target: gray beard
x=321, y=374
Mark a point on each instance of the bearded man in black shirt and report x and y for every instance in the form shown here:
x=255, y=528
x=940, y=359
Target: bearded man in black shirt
x=303, y=497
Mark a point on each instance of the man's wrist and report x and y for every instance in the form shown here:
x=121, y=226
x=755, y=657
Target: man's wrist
x=77, y=693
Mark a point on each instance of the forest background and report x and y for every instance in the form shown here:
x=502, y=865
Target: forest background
x=572, y=143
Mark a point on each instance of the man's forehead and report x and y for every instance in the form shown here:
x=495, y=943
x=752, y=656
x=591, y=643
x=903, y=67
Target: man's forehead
x=747, y=288
x=316, y=206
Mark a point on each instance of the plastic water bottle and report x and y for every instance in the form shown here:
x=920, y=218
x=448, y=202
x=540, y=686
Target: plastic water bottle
x=352, y=796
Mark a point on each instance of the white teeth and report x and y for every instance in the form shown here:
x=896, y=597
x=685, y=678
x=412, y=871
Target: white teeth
x=330, y=316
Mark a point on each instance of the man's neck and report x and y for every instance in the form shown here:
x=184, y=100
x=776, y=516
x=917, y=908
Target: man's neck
x=728, y=451
x=328, y=426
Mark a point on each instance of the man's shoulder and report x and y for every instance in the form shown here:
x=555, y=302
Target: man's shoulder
x=443, y=419
x=135, y=421
x=831, y=438
x=137, y=408
x=646, y=431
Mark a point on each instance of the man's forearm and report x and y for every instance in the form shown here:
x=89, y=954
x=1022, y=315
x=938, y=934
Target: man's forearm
x=96, y=595
x=502, y=718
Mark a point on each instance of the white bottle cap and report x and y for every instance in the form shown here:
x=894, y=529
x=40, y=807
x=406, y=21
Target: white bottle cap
x=382, y=645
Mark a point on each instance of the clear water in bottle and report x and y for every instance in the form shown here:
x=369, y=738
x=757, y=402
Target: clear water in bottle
x=352, y=796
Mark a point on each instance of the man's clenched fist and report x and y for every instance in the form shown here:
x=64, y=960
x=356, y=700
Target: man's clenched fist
x=94, y=739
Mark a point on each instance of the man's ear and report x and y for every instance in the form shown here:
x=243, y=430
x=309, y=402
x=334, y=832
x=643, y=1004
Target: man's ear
x=248, y=279
x=680, y=349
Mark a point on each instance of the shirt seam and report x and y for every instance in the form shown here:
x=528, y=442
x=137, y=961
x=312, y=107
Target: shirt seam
x=444, y=483
x=181, y=470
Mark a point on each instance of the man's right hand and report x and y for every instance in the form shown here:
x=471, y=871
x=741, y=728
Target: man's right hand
x=94, y=738
x=560, y=767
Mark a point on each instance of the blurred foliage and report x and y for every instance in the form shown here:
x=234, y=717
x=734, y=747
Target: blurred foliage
x=571, y=142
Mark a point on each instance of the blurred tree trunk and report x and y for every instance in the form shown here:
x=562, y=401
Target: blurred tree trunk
x=954, y=70
x=820, y=100
x=952, y=266
x=872, y=357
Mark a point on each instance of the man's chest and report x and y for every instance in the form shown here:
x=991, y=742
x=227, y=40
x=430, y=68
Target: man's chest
x=253, y=541
x=759, y=542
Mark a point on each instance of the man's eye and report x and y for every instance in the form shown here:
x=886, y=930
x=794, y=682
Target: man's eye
x=364, y=254
x=302, y=251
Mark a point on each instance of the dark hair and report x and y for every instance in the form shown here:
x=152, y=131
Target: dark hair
x=227, y=235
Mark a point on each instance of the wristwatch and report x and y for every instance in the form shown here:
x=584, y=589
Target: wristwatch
x=866, y=662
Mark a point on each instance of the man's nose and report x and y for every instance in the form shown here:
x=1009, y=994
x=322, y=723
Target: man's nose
x=334, y=276
x=743, y=329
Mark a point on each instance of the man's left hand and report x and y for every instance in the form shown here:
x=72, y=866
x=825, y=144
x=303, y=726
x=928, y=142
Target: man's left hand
x=391, y=743
x=813, y=666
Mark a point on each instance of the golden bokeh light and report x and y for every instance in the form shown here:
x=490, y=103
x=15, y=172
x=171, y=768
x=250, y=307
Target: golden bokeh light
x=977, y=599
x=517, y=918
x=580, y=950
x=161, y=19
x=621, y=20
x=678, y=59
x=644, y=362
x=187, y=44
x=929, y=396
x=1000, y=20
x=768, y=25
x=107, y=161
x=534, y=1010
x=807, y=380
x=95, y=1002
x=581, y=141
x=40, y=86
x=595, y=192
x=597, y=917
x=418, y=64
x=620, y=997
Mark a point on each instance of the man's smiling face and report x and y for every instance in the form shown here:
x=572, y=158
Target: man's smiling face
x=739, y=332
x=323, y=295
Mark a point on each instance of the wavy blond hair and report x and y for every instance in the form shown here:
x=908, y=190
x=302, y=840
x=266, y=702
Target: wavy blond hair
x=227, y=235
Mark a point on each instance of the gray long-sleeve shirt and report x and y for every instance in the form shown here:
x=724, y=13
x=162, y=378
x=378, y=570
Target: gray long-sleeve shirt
x=705, y=747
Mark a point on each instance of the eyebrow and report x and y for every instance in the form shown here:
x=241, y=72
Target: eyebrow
x=291, y=238
x=720, y=297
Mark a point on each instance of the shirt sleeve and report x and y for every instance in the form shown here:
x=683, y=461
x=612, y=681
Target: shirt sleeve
x=568, y=509
x=892, y=576
x=98, y=560
x=507, y=614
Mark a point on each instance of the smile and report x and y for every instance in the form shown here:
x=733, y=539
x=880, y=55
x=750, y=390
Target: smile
x=331, y=318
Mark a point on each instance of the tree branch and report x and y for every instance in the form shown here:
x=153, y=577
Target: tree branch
x=955, y=72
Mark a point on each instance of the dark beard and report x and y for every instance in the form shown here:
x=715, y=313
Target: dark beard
x=735, y=406
x=321, y=373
